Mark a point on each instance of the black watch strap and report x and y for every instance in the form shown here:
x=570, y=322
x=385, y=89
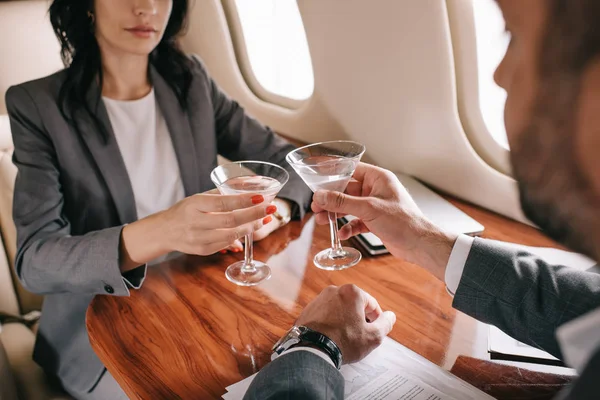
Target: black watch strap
x=322, y=342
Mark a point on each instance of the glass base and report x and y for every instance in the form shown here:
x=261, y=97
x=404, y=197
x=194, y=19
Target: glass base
x=238, y=275
x=332, y=261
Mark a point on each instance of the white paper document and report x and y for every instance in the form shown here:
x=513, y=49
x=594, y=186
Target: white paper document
x=500, y=342
x=392, y=372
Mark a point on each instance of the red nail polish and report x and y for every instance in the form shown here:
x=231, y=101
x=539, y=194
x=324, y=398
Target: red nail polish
x=223, y=251
x=271, y=209
x=267, y=220
x=257, y=199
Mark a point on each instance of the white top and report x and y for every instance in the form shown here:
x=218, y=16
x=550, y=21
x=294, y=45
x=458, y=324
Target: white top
x=578, y=339
x=147, y=150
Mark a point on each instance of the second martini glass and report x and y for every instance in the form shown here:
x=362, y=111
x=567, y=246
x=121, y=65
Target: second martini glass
x=255, y=177
x=329, y=166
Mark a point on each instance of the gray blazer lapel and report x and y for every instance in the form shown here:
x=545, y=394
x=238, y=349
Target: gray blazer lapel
x=108, y=157
x=180, y=131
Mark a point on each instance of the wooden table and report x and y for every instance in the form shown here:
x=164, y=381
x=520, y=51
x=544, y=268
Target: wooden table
x=189, y=332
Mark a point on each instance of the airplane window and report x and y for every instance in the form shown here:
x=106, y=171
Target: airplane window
x=277, y=46
x=492, y=43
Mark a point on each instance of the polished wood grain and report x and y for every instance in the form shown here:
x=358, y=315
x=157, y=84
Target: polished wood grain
x=189, y=333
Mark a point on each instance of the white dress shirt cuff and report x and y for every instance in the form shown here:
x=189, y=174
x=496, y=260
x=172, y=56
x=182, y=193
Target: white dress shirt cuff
x=311, y=350
x=457, y=261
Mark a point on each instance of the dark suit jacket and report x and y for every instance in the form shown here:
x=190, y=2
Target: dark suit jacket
x=516, y=291
x=73, y=196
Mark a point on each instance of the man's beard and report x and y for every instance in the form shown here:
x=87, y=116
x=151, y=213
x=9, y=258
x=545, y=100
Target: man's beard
x=554, y=193
x=548, y=216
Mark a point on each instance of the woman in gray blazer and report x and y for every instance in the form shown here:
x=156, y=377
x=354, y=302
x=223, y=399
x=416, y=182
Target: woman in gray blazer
x=114, y=155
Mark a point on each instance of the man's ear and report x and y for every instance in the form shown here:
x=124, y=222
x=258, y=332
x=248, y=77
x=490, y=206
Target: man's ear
x=587, y=132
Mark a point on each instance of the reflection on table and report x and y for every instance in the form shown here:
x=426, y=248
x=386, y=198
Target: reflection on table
x=189, y=332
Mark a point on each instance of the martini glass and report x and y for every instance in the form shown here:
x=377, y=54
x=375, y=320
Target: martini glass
x=329, y=166
x=255, y=177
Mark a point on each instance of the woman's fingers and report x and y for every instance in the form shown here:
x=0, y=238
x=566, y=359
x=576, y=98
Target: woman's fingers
x=235, y=218
x=220, y=239
x=215, y=202
x=230, y=235
x=236, y=247
x=213, y=222
x=213, y=248
x=267, y=229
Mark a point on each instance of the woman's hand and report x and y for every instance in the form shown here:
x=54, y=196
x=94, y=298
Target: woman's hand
x=205, y=223
x=285, y=232
x=266, y=230
x=284, y=208
x=201, y=224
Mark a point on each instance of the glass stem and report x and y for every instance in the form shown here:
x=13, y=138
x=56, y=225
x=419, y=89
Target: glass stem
x=336, y=245
x=248, y=253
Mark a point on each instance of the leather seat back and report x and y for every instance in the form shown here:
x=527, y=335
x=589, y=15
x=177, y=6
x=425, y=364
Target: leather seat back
x=29, y=50
x=8, y=389
x=8, y=172
x=8, y=297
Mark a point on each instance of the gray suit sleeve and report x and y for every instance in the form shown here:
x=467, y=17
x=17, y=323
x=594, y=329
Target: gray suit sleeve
x=241, y=137
x=297, y=376
x=49, y=260
x=522, y=295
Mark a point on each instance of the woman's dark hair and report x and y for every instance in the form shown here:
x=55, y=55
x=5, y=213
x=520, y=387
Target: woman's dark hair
x=73, y=26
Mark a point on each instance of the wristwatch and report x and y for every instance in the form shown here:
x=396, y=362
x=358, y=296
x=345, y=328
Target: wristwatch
x=305, y=336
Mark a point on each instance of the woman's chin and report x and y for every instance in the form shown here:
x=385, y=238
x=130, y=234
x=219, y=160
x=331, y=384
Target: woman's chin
x=140, y=47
